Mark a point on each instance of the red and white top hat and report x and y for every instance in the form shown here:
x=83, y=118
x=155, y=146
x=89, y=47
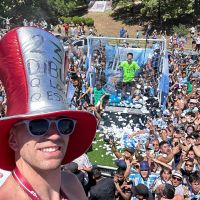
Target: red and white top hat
x=32, y=71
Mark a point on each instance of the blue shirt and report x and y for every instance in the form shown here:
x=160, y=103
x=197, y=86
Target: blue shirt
x=192, y=195
x=121, y=33
x=137, y=179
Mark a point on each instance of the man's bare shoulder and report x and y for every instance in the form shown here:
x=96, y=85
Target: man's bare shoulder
x=72, y=187
x=3, y=193
x=7, y=190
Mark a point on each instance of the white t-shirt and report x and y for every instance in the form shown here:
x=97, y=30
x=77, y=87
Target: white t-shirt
x=83, y=161
x=192, y=30
x=3, y=176
x=198, y=40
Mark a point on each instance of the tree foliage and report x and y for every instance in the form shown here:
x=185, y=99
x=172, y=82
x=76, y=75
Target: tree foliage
x=122, y=2
x=155, y=9
x=169, y=9
x=181, y=30
x=164, y=9
x=39, y=8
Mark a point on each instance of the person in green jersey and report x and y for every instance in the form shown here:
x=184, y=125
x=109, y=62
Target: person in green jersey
x=99, y=94
x=129, y=68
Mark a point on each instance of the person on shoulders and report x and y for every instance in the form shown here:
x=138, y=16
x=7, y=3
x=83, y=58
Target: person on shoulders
x=144, y=176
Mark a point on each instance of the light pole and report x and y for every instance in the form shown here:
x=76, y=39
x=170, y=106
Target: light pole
x=159, y=12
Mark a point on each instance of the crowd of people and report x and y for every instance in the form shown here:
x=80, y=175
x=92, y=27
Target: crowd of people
x=166, y=164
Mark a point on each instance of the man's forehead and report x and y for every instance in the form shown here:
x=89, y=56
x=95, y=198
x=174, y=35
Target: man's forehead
x=165, y=145
x=197, y=181
x=189, y=162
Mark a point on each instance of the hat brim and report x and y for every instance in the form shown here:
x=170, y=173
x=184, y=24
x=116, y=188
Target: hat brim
x=79, y=141
x=178, y=175
x=144, y=169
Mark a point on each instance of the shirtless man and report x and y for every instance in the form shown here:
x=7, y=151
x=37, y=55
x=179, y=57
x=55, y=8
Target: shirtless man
x=39, y=162
x=39, y=133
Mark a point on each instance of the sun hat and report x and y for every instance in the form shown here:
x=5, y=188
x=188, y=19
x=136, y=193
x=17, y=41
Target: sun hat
x=144, y=166
x=32, y=63
x=177, y=173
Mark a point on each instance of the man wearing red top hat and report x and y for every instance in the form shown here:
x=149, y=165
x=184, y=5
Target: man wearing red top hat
x=39, y=133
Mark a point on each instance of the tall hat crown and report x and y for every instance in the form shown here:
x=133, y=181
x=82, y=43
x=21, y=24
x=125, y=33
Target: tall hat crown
x=33, y=72
x=32, y=63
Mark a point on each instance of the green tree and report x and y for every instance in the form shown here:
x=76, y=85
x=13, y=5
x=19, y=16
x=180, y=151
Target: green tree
x=163, y=10
x=197, y=8
x=122, y=3
x=168, y=9
x=39, y=8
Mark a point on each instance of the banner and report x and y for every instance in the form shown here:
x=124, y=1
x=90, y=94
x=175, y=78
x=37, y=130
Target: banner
x=164, y=81
x=100, y=6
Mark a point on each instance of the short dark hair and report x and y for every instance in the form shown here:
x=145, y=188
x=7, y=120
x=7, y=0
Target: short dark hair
x=96, y=173
x=140, y=189
x=130, y=150
x=162, y=143
x=194, y=178
x=190, y=160
x=120, y=171
x=189, y=137
x=169, y=191
x=74, y=76
x=190, y=113
x=165, y=169
x=177, y=130
x=130, y=54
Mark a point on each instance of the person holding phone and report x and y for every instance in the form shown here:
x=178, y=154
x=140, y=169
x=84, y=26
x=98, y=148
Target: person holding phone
x=186, y=166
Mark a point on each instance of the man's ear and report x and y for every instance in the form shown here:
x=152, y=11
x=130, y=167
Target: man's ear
x=13, y=140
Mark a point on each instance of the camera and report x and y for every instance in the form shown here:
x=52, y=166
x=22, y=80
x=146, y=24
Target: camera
x=129, y=182
x=108, y=138
x=127, y=189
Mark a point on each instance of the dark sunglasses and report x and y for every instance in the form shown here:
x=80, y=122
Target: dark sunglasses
x=176, y=178
x=40, y=127
x=188, y=165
